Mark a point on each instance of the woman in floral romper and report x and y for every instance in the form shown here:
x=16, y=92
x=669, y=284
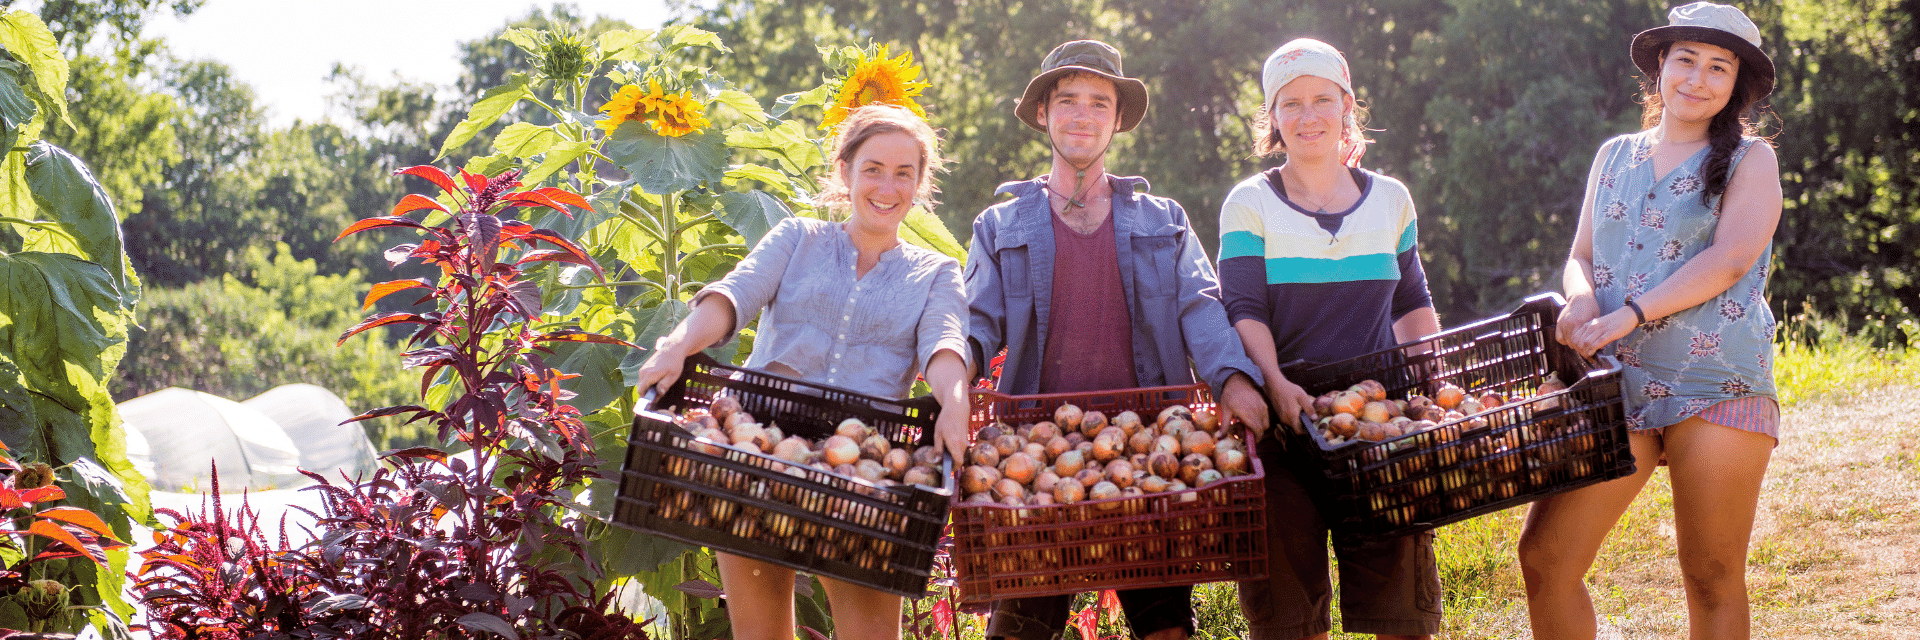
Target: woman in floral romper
x=1668, y=273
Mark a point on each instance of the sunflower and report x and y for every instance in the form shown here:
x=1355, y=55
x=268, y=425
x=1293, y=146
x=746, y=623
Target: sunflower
x=878, y=79
x=680, y=115
x=630, y=103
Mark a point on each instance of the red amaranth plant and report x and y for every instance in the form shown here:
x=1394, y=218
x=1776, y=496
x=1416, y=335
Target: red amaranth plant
x=439, y=545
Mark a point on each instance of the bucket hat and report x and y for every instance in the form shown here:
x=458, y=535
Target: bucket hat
x=1715, y=24
x=1088, y=56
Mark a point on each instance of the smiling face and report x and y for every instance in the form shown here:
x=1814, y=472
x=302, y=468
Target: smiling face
x=1696, y=81
x=1081, y=116
x=882, y=179
x=1310, y=114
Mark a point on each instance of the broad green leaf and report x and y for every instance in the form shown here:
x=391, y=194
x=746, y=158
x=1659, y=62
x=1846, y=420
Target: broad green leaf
x=679, y=36
x=622, y=45
x=664, y=164
x=925, y=229
x=493, y=104
x=16, y=200
x=562, y=300
x=753, y=213
x=527, y=39
x=605, y=204
x=599, y=368
x=28, y=40
x=743, y=103
x=759, y=172
x=558, y=156
x=524, y=140
x=17, y=109
x=814, y=97
x=68, y=328
x=787, y=143
x=67, y=193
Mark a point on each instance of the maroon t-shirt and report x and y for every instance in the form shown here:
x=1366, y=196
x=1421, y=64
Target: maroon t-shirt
x=1090, y=336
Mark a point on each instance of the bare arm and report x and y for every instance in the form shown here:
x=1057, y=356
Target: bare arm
x=1417, y=324
x=947, y=374
x=711, y=320
x=1578, y=279
x=1749, y=212
x=1287, y=398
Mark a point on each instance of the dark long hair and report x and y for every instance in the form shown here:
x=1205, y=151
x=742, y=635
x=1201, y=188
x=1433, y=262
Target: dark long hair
x=1740, y=117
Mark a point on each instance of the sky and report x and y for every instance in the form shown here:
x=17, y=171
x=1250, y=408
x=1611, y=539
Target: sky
x=285, y=49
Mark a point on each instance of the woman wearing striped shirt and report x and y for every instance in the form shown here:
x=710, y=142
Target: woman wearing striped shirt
x=1318, y=262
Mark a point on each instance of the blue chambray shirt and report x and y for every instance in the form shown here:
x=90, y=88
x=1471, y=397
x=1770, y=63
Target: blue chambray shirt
x=819, y=323
x=1179, y=324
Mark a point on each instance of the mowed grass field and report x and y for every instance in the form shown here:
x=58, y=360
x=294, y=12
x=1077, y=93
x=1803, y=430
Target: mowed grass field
x=1836, y=546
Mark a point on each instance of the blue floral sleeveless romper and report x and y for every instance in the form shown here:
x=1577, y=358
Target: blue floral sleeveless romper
x=1645, y=227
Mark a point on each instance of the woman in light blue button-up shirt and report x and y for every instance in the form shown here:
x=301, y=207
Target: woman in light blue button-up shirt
x=843, y=303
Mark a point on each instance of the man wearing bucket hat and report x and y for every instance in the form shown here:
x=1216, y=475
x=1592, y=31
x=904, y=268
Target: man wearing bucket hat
x=1091, y=284
x=1668, y=272
x=1319, y=228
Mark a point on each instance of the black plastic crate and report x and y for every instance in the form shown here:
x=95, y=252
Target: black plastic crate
x=758, y=506
x=1526, y=449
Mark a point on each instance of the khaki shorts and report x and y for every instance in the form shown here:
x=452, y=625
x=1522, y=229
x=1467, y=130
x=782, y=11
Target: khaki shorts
x=1391, y=587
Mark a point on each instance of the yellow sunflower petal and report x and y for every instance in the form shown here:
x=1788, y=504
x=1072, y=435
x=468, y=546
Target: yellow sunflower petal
x=878, y=79
x=680, y=115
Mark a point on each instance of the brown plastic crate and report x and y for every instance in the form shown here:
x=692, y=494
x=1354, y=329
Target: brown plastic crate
x=1205, y=534
x=1529, y=448
x=761, y=507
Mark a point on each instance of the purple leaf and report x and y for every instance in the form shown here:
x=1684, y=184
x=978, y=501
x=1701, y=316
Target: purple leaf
x=340, y=602
x=700, y=589
x=815, y=635
x=803, y=585
x=488, y=623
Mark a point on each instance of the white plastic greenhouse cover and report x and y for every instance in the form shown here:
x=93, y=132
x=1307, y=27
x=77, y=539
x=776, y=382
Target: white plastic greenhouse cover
x=185, y=430
x=311, y=416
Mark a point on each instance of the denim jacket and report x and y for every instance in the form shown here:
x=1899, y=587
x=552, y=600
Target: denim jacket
x=1179, y=323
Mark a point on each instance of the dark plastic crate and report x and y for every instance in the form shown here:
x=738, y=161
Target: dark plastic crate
x=1529, y=448
x=1205, y=534
x=754, y=505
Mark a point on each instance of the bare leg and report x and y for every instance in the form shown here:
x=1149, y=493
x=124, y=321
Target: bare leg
x=860, y=613
x=759, y=597
x=1563, y=534
x=1716, y=490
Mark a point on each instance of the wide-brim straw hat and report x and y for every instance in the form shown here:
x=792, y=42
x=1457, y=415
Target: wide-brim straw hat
x=1086, y=56
x=1715, y=24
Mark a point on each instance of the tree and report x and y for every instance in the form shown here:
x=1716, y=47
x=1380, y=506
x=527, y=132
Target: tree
x=1848, y=124
x=74, y=23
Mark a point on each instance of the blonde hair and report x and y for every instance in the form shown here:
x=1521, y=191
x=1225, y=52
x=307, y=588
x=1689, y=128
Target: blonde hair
x=861, y=125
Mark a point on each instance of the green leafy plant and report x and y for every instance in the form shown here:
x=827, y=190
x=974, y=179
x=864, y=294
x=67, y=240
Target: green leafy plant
x=680, y=188
x=39, y=534
x=436, y=545
x=66, y=297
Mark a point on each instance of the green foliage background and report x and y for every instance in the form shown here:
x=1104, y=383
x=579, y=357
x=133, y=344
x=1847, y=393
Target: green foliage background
x=1490, y=111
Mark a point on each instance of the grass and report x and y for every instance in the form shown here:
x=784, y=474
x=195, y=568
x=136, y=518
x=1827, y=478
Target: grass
x=1834, y=544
